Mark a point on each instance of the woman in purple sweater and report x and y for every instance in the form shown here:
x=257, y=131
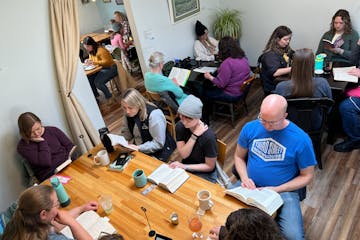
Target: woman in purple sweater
x=45, y=148
x=233, y=71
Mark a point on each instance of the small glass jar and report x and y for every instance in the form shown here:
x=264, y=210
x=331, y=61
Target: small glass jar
x=174, y=218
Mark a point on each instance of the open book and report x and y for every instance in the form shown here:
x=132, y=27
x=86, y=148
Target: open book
x=341, y=74
x=67, y=161
x=168, y=178
x=328, y=43
x=265, y=199
x=180, y=74
x=93, y=223
x=117, y=139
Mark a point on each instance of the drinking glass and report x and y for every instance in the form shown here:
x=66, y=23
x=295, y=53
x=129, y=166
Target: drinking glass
x=195, y=226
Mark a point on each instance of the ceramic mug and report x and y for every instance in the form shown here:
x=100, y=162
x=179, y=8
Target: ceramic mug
x=139, y=178
x=204, y=197
x=102, y=158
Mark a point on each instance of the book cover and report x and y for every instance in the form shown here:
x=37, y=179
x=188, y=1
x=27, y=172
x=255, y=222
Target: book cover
x=93, y=223
x=168, y=178
x=265, y=199
x=180, y=74
x=328, y=43
x=67, y=162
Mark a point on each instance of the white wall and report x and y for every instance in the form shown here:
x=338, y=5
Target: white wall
x=89, y=17
x=28, y=80
x=155, y=32
x=308, y=19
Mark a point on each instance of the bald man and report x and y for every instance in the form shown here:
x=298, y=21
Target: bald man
x=280, y=157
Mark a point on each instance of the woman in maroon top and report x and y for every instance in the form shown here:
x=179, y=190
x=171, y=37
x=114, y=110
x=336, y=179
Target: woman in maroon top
x=45, y=148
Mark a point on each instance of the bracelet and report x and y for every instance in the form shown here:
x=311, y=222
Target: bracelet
x=194, y=137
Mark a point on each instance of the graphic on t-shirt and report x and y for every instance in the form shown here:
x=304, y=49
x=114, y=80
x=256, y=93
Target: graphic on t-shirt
x=268, y=149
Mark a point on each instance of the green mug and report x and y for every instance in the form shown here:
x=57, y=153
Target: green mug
x=139, y=178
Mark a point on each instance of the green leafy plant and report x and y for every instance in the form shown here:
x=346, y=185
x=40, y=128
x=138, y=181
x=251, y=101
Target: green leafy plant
x=227, y=23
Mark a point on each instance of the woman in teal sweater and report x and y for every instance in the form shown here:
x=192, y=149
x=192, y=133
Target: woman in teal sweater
x=155, y=81
x=343, y=39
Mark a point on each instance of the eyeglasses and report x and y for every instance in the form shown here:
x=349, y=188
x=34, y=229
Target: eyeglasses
x=271, y=123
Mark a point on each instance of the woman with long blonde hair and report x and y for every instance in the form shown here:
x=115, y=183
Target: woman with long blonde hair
x=145, y=125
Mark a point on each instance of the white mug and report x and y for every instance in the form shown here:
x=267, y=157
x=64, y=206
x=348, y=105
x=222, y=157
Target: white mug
x=102, y=158
x=204, y=197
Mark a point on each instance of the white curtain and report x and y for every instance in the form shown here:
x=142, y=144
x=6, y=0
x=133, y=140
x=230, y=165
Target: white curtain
x=66, y=43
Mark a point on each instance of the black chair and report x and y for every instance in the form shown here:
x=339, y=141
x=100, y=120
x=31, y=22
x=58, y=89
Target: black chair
x=306, y=113
x=236, y=106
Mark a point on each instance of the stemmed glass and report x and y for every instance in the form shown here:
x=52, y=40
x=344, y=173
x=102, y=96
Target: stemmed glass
x=195, y=226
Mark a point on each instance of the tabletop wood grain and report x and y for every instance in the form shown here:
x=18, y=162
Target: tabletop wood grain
x=89, y=181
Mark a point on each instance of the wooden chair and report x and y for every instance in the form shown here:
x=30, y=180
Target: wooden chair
x=169, y=112
x=221, y=152
x=236, y=106
x=222, y=178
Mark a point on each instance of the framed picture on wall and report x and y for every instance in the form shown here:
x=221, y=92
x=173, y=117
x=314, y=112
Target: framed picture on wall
x=119, y=2
x=181, y=9
x=106, y=1
x=84, y=1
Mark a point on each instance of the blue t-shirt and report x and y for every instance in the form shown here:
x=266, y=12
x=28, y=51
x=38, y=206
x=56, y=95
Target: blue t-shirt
x=275, y=157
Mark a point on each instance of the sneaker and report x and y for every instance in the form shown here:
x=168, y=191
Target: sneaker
x=347, y=146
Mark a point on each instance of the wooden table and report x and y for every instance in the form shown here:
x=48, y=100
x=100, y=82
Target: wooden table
x=89, y=181
x=98, y=37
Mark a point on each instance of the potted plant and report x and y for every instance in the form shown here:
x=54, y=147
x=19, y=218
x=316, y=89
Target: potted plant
x=227, y=23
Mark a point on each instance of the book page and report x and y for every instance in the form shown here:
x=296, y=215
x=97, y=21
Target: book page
x=118, y=139
x=160, y=174
x=239, y=193
x=93, y=223
x=265, y=199
x=175, y=180
x=205, y=69
x=180, y=74
x=341, y=74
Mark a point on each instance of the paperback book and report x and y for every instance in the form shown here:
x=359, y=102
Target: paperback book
x=265, y=199
x=93, y=223
x=168, y=178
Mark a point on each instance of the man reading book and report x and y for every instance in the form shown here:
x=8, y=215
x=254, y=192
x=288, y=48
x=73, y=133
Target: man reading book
x=280, y=157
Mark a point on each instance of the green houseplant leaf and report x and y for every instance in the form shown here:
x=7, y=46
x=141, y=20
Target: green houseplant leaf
x=227, y=23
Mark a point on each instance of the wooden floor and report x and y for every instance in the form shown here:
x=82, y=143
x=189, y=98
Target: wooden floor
x=332, y=207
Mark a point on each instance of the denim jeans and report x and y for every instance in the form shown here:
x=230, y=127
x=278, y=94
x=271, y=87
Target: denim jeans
x=215, y=94
x=289, y=216
x=211, y=177
x=350, y=114
x=99, y=80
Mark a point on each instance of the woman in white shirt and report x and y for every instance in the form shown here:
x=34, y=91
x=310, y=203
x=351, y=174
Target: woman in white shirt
x=205, y=47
